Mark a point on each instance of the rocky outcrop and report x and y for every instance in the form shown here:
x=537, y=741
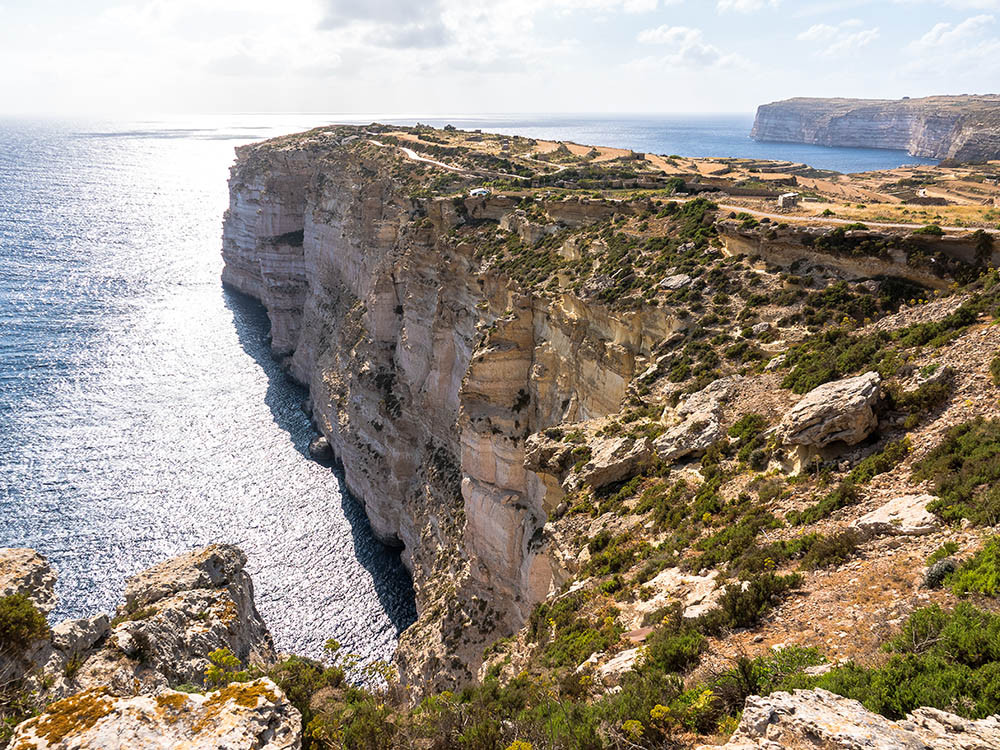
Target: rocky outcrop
x=841, y=411
x=243, y=715
x=929, y=260
x=24, y=571
x=175, y=614
x=699, y=425
x=965, y=128
x=614, y=460
x=428, y=372
x=902, y=516
x=810, y=719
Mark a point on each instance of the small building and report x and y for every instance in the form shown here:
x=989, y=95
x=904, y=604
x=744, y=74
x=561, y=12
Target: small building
x=788, y=200
x=479, y=193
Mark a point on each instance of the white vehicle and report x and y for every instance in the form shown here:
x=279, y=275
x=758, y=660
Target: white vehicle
x=479, y=193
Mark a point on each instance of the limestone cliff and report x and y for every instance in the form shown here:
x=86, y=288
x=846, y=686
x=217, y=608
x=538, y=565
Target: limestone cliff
x=965, y=128
x=427, y=371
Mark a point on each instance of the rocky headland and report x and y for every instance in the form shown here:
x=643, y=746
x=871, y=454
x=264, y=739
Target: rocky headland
x=671, y=465
x=961, y=128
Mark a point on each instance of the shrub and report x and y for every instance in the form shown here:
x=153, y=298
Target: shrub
x=981, y=573
x=966, y=473
x=930, y=229
x=744, y=603
x=947, y=660
x=224, y=668
x=21, y=623
x=840, y=497
x=945, y=550
x=995, y=370
x=832, y=550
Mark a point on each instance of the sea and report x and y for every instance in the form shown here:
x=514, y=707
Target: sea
x=141, y=414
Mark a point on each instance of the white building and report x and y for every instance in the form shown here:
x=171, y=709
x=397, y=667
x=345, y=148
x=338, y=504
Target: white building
x=788, y=200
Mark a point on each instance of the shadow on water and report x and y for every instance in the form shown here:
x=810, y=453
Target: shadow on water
x=392, y=581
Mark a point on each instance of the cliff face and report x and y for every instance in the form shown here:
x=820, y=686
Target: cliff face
x=962, y=128
x=427, y=372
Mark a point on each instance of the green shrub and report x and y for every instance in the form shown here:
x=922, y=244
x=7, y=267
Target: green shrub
x=965, y=473
x=224, y=668
x=981, y=573
x=841, y=496
x=832, y=550
x=995, y=370
x=744, y=603
x=945, y=550
x=930, y=229
x=947, y=660
x=21, y=623
x=880, y=463
x=300, y=679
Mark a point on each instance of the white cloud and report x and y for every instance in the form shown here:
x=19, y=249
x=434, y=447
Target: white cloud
x=835, y=41
x=687, y=48
x=745, y=6
x=969, y=45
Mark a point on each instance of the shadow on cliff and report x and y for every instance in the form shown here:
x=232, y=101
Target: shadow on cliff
x=393, y=584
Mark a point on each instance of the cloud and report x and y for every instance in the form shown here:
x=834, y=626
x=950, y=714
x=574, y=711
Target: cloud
x=969, y=45
x=835, y=41
x=687, y=48
x=956, y=4
x=745, y=6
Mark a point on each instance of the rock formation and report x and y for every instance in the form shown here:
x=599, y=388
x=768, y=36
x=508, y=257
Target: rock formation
x=175, y=614
x=808, y=719
x=243, y=715
x=965, y=128
x=841, y=411
x=427, y=372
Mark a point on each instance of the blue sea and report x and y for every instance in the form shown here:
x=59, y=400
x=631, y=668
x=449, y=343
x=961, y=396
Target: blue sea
x=140, y=412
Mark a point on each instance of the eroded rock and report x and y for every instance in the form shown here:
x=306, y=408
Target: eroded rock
x=841, y=411
x=24, y=571
x=905, y=516
x=243, y=715
x=614, y=460
x=811, y=719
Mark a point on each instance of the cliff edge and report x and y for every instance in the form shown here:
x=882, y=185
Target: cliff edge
x=963, y=128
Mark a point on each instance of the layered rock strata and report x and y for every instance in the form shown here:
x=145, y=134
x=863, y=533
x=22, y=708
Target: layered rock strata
x=427, y=372
x=964, y=128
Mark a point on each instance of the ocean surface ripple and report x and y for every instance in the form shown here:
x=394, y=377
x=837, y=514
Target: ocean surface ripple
x=140, y=411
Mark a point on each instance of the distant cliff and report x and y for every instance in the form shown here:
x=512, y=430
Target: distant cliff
x=965, y=128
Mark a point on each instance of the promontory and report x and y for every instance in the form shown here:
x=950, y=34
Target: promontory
x=963, y=128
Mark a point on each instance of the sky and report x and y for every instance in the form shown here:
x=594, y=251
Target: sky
x=132, y=57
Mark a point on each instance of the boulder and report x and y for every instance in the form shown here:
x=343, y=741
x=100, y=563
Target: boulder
x=677, y=281
x=175, y=614
x=243, y=715
x=612, y=461
x=700, y=425
x=841, y=411
x=904, y=516
x=319, y=448
x=611, y=671
x=812, y=719
x=79, y=636
x=696, y=594
x=24, y=571
x=690, y=437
